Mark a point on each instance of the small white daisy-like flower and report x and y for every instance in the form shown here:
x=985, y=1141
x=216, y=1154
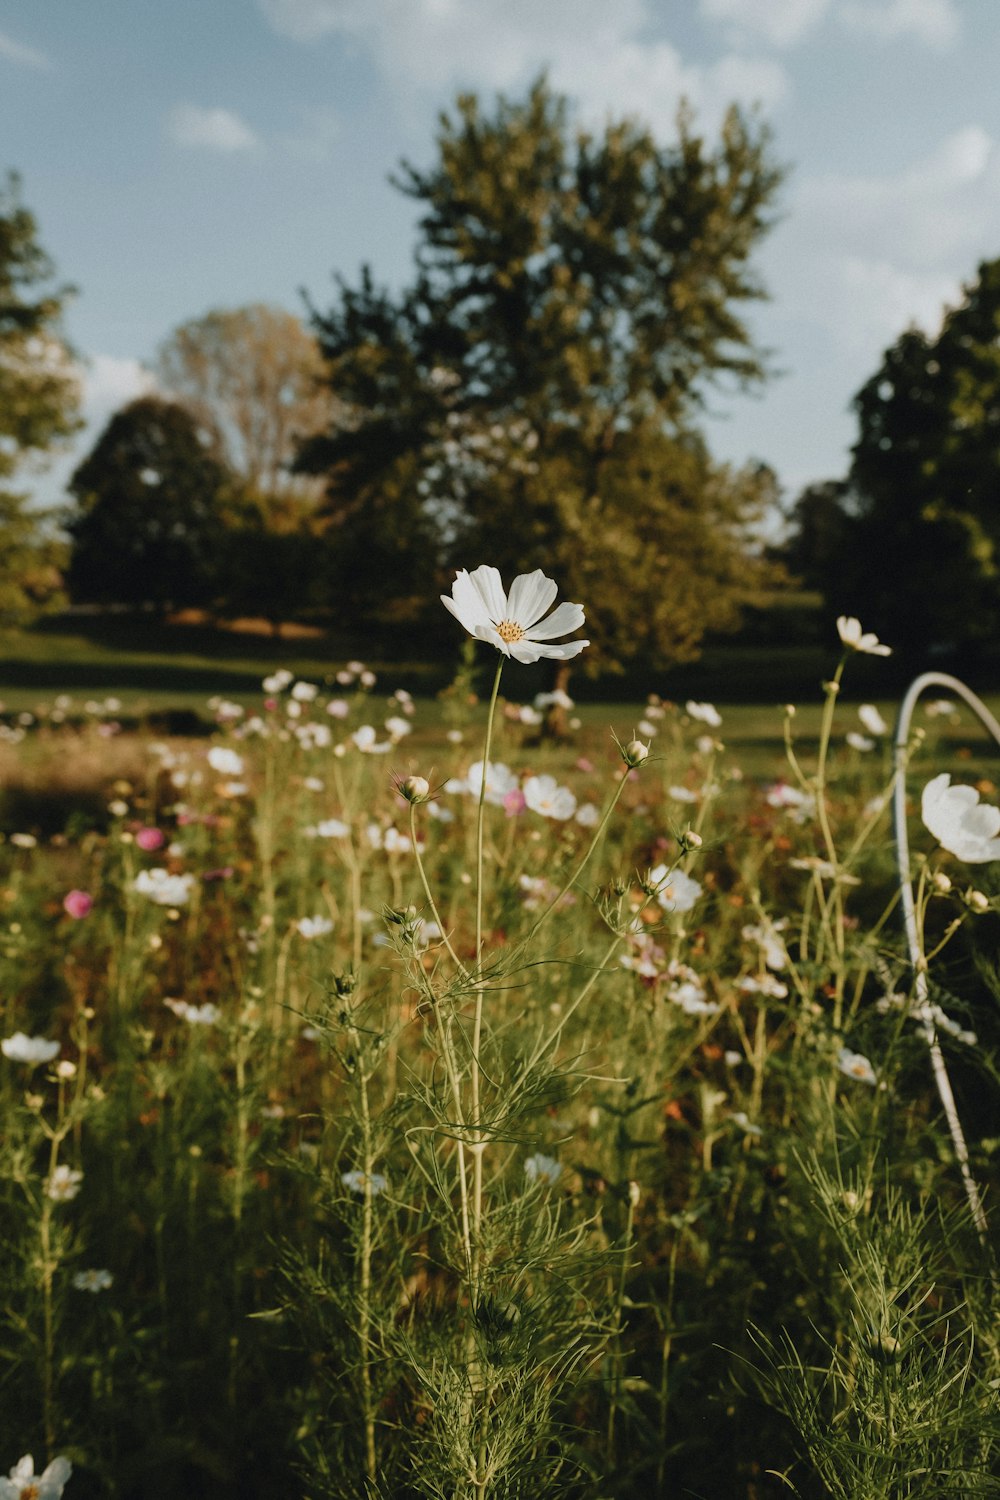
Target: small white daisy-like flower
x=544, y=795
x=852, y=636
x=227, y=762
x=356, y=1182
x=64, y=1184
x=513, y=622
x=705, y=713
x=540, y=1168
x=314, y=927
x=25, y=1484
x=28, y=1049
x=677, y=891
x=92, y=1281
x=856, y=1065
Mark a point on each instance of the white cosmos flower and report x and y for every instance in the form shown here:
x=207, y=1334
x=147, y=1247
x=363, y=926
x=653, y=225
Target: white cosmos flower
x=24, y=1482
x=678, y=892
x=162, y=888
x=227, y=762
x=64, y=1184
x=541, y=1168
x=357, y=1182
x=856, y=1065
x=960, y=823
x=513, y=623
x=544, y=795
x=500, y=780
x=28, y=1049
x=330, y=828
x=313, y=927
x=852, y=636
x=93, y=1281
x=705, y=713
x=872, y=720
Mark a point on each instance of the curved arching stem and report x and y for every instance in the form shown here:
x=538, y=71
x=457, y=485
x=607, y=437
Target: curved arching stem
x=913, y=943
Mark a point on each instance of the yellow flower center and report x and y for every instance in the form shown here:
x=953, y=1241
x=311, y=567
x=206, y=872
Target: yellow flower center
x=509, y=630
x=30, y=1492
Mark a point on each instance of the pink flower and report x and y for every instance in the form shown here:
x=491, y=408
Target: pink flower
x=514, y=802
x=78, y=904
x=149, y=838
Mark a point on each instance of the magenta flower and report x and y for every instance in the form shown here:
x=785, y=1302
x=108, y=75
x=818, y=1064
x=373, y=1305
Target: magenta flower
x=78, y=904
x=149, y=839
x=514, y=802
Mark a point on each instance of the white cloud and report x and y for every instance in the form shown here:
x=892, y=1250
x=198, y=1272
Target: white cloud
x=858, y=258
x=936, y=23
x=26, y=57
x=606, y=57
x=212, y=129
x=109, y=382
x=944, y=206
x=780, y=23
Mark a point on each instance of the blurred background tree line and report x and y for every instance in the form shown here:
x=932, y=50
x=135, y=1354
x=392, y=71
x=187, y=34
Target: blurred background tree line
x=531, y=398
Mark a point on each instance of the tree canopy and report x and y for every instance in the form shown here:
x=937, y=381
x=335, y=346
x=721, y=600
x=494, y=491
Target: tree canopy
x=150, y=511
x=531, y=398
x=920, y=553
x=251, y=375
x=39, y=399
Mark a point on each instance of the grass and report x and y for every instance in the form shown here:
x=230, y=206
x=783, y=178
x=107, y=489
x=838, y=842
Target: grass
x=314, y=1287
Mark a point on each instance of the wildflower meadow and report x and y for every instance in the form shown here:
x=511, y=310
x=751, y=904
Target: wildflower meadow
x=399, y=1101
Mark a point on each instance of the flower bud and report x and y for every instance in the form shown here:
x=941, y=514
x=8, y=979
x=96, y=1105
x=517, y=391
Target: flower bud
x=634, y=1194
x=65, y=1069
x=634, y=753
x=978, y=901
x=415, y=788
x=941, y=882
x=690, y=840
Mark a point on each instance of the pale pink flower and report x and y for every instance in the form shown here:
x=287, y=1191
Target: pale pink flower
x=78, y=904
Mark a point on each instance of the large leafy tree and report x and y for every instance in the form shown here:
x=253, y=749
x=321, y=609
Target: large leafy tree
x=531, y=399
x=39, y=398
x=151, y=511
x=252, y=375
x=921, y=555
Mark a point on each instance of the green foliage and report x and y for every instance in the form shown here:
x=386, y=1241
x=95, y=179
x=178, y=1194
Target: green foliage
x=531, y=396
x=39, y=396
x=920, y=559
x=148, y=527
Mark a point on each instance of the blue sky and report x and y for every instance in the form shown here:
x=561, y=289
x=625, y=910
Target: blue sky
x=188, y=154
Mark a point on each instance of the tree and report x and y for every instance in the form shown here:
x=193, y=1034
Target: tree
x=251, y=375
x=921, y=562
x=820, y=524
x=39, y=399
x=529, y=400
x=151, y=511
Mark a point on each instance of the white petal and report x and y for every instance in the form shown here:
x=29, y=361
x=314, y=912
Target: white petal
x=487, y=633
x=567, y=618
x=466, y=603
x=564, y=651
x=490, y=588
x=529, y=598
x=58, y=1471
